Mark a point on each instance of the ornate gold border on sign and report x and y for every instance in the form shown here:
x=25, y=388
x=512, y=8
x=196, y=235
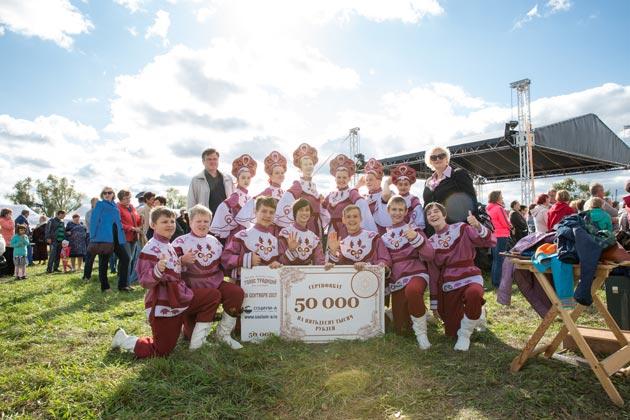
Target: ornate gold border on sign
x=288, y=277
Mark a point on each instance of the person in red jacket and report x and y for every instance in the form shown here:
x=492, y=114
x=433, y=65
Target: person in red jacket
x=559, y=210
x=132, y=226
x=502, y=228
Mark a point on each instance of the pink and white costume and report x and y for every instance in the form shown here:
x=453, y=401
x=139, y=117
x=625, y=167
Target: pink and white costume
x=338, y=200
x=206, y=273
x=302, y=188
x=224, y=222
x=374, y=198
x=247, y=216
x=409, y=274
x=309, y=250
x=415, y=211
x=456, y=283
x=363, y=246
x=238, y=252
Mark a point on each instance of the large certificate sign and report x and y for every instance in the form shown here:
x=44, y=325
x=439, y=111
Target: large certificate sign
x=310, y=304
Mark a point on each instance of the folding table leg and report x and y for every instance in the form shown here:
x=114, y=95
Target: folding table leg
x=521, y=359
x=588, y=354
x=562, y=334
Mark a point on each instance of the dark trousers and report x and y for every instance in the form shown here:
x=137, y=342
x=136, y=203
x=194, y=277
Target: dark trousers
x=9, y=268
x=53, y=256
x=123, y=267
x=88, y=265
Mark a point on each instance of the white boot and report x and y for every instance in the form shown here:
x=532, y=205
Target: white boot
x=123, y=341
x=465, y=331
x=483, y=321
x=225, y=328
x=420, y=328
x=199, y=335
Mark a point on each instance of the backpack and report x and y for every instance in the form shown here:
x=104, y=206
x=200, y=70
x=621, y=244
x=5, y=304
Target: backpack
x=483, y=217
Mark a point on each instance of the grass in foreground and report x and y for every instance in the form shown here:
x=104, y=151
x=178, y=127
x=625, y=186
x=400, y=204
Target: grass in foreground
x=55, y=333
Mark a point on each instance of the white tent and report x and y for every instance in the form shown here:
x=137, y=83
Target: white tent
x=33, y=217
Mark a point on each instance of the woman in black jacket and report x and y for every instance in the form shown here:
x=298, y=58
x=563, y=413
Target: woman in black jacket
x=453, y=188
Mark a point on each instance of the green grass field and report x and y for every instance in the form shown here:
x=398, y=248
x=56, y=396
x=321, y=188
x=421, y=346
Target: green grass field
x=55, y=333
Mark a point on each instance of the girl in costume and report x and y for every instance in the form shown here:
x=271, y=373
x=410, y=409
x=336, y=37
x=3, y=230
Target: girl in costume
x=304, y=158
x=343, y=168
x=224, y=224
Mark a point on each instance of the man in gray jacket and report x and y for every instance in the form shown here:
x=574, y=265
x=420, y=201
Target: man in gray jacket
x=210, y=187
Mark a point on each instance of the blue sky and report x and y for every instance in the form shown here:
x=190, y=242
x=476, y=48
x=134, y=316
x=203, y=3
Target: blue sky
x=105, y=102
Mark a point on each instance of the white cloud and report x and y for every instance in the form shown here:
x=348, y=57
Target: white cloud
x=133, y=31
x=236, y=90
x=160, y=27
x=51, y=20
x=533, y=13
x=132, y=5
x=555, y=6
x=51, y=130
x=255, y=18
x=1, y=30
x=550, y=8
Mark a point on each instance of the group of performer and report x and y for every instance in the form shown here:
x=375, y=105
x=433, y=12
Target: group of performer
x=185, y=279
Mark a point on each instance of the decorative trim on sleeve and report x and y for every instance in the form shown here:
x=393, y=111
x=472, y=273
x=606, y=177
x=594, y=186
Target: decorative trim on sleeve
x=417, y=241
x=291, y=255
x=247, y=260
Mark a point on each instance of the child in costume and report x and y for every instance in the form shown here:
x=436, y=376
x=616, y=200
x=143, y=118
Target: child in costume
x=372, y=180
x=298, y=244
x=343, y=168
x=456, y=283
x=304, y=158
x=403, y=177
x=168, y=301
x=224, y=223
x=200, y=254
x=359, y=248
x=409, y=250
x=275, y=168
x=255, y=246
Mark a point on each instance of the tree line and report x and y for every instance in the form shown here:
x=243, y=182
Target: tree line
x=58, y=193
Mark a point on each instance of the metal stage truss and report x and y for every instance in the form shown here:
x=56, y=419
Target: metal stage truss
x=576, y=146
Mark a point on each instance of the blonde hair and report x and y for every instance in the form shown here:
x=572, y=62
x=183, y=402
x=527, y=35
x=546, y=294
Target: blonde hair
x=199, y=209
x=593, y=203
x=349, y=208
x=563, y=196
x=396, y=199
x=429, y=152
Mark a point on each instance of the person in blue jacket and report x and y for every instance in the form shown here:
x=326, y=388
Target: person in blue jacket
x=106, y=228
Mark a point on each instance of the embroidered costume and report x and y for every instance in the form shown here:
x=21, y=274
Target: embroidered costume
x=338, y=200
x=456, y=283
x=224, y=220
x=309, y=250
x=302, y=188
x=409, y=274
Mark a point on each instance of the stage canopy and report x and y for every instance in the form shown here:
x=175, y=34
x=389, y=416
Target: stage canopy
x=579, y=145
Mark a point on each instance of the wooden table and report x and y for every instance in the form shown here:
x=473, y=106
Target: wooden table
x=603, y=369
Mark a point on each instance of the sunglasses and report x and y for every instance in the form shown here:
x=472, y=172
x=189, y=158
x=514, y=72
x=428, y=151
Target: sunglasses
x=108, y=192
x=437, y=157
